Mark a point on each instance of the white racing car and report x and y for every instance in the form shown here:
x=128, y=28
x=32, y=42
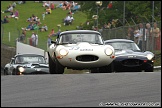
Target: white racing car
x=79, y=50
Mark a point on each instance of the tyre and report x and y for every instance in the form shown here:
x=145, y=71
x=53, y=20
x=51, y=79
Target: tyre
x=5, y=72
x=94, y=70
x=14, y=72
x=151, y=69
x=59, y=68
x=107, y=69
x=52, y=65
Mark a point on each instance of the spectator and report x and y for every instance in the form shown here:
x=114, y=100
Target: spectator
x=29, y=19
x=13, y=4
x=21, y=2
x=48, y=10
x=52, y=33
x=29, y=27
x=15, y=15
x=34, y=38
x=71, y=19
x=109, y=25
x=60, y=5
x=136, y=35
x=148, y=36
x=141, y=36
x=58, y=33
x=75, y=8
x=22, y=37
x=156, y=33
x=10, y=9
x=64, y=5
x=49, y=41
x=4, y=20
x=44, y=28
x=35, y=26
x=130, y=33
x=52, y=6
x=67, y=20
x=43, y=15
x=45, y=4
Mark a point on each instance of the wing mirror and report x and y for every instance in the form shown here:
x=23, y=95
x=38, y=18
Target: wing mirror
x=53, y=42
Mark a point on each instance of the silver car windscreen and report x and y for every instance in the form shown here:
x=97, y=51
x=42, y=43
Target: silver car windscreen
x=75, y=38
x=124, y=46
x=30, y=59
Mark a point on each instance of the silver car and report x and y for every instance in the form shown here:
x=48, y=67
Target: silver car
x=24, y=64
x=79, y=50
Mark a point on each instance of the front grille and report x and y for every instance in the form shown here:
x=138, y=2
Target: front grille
x=132, y=62
x=87, y=58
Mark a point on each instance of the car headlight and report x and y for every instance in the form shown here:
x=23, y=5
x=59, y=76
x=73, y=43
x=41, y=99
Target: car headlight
x=63, y=52
x=21, y=69
x=108, y=51
x=149, y=56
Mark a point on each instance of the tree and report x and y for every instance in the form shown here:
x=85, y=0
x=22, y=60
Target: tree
x=139, y=11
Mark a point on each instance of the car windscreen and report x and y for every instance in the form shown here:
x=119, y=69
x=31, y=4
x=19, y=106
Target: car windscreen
x=124, y=45
x=75, y=38
x=30, y=59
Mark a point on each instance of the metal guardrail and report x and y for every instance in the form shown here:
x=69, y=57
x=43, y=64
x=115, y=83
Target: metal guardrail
x=157, y=67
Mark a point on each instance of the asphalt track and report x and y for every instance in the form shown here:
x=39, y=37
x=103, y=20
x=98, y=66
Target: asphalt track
x=81, y=90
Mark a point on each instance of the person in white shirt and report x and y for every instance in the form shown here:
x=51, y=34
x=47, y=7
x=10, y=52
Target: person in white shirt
x=67, y=20
x=141, y=38
x=34, y=38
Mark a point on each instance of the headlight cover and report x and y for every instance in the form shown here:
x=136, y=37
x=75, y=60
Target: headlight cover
x=108, y=51
x=63, y=52
x=149, y=56
x=21, y=69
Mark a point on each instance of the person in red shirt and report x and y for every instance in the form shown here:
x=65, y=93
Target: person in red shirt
x=52, y=33
x=52, y=6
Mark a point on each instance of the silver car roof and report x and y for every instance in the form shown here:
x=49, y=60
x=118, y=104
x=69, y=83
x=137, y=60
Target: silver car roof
x=80, y=31
x=116, y=40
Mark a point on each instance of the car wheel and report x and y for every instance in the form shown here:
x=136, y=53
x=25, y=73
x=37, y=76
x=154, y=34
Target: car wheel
x=52, y=65
x=59, y=68
x=151, y=69
x=14, y=72
x=5, y=72
x=94, y=70
x=111, y=68
x=107, y=69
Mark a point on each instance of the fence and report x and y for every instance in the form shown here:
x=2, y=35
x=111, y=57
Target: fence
x=148, y=43
x=9, y=37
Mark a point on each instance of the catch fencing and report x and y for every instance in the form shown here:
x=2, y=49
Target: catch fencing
x=148, y=43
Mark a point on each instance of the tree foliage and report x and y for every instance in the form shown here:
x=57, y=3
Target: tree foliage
x=135, y=11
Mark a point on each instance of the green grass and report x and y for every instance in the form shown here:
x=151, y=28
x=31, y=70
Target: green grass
x=25, y=11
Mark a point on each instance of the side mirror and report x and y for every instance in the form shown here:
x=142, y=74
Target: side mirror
x=12, y=58
x=53, y=42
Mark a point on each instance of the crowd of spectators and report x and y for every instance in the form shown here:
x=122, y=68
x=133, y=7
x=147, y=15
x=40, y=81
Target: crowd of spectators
x=13, y=13
x=150, y=35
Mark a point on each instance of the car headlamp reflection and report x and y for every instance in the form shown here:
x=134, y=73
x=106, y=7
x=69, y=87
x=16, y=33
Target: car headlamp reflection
x=108, y=51
x=63, y=52
x=149, y=56
x=21, y=69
